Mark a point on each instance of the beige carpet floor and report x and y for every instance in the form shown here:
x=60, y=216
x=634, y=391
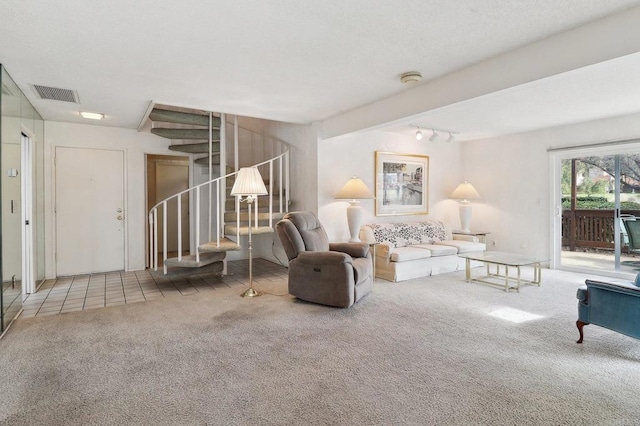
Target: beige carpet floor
x=422, y=352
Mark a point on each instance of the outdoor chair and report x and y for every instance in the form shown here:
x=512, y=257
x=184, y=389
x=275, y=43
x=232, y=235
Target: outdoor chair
x=632, y=227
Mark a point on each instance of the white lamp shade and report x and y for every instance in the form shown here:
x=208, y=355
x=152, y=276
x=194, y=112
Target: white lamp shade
x=465, y=191
x=248, y=182
x=354, y=189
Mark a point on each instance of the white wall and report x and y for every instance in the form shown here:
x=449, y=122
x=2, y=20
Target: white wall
x=342, y=157
x=303, y=175
x=135, y=145
x=513, y=176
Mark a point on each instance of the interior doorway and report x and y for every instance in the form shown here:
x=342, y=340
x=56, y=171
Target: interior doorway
x=167, y=175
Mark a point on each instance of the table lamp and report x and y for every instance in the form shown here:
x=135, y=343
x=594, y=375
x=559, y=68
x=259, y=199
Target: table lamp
x=354, y=190
x=465, y=192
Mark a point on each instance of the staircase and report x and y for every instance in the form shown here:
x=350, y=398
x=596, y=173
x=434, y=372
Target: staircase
x=218, y=220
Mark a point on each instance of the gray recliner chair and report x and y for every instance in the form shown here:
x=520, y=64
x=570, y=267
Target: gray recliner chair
x=334, y=274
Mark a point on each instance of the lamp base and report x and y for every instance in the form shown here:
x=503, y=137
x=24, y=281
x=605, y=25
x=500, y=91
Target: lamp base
x=354, y=218
x=251, y=293
x=465, y=216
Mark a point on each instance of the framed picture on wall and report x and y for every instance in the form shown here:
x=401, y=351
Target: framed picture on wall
x=402, y=184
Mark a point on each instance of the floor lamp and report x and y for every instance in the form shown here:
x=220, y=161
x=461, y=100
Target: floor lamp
x=465, y=192
x=249, y=184
x=354, y=190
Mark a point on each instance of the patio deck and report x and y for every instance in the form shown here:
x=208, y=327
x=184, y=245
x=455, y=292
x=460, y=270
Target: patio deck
x=601, y=261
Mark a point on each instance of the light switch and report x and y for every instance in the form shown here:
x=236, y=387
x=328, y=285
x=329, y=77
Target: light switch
x=12, y=172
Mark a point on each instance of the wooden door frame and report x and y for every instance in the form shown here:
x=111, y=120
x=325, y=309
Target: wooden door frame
x=184, y=157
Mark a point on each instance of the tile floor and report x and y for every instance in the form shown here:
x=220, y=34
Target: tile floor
x=82, y=292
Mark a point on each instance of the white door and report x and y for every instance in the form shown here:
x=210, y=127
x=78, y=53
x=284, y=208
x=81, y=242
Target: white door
x=89, y=210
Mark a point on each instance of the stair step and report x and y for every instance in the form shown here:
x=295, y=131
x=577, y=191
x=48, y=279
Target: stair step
x=200, y=134
x=205, y=160
x=263, y=201
x=168, y=116
x=244, y=230
x=195, y=148
x=177, y=272
x=190, y=261
x=225, y=245
x=230, y=217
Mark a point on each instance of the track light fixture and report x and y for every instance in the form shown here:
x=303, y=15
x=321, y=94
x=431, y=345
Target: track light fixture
x=419, y=134
x=450, y=139
x=435, y=134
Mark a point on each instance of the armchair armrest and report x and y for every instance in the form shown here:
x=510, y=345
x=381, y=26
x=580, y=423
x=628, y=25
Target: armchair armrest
x=582, y=294
x=320, y=258
x=352, y=249
x=617, y=286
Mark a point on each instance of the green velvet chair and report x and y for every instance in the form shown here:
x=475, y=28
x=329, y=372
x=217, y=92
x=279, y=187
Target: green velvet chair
x=333, y=274
x=632, y=227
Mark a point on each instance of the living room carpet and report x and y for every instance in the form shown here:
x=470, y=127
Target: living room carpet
x=425, y=351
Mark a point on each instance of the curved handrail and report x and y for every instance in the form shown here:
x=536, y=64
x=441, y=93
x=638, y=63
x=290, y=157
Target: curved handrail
x=283, y=193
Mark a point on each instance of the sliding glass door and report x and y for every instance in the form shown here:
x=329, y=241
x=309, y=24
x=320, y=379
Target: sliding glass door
x=597, y=205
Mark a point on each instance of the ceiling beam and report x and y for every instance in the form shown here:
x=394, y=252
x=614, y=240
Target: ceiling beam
x=599, y=41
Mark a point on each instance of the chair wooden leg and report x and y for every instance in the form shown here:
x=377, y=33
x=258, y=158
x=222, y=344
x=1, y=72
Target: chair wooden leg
x=580, y=324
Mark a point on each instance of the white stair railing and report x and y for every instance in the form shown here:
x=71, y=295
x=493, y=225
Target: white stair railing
x=217, y=202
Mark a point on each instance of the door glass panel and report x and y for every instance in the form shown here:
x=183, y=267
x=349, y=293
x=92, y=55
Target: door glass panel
x=600, y=197
x=10, y=192
x=18, y=116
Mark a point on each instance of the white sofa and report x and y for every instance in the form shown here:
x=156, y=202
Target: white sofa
x=417, y=249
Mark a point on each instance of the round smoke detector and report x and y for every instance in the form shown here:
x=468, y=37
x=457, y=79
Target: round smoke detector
x=411, y=77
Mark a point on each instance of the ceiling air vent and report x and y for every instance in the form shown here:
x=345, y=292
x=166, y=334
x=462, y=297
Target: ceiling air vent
x=56, y=94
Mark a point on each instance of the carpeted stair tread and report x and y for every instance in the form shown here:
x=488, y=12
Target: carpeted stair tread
x=225, y=245
x=263, y=201
x=244, y=230
x=190, y=261
x=200, y=134
x=177, y=117
x=230, y=217
x=195, y=148
x=205, y=160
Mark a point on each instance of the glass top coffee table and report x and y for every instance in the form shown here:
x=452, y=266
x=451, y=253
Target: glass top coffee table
x=508, y=261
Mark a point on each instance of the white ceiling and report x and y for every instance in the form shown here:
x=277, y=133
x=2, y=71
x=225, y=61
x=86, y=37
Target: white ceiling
x=301, y=60
x=606, y=89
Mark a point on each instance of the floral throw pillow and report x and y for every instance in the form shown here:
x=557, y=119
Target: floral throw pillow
x=405, y=234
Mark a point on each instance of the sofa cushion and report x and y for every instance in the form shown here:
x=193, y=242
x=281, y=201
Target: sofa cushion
x=406, y=234
x=403, y=254
x=438, y=249
x=463, y=246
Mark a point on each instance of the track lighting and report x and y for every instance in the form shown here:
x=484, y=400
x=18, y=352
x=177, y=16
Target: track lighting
x=435, y=134
x=450, y=139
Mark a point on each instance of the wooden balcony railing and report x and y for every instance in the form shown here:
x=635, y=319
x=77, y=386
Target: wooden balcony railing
x=590, y=228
